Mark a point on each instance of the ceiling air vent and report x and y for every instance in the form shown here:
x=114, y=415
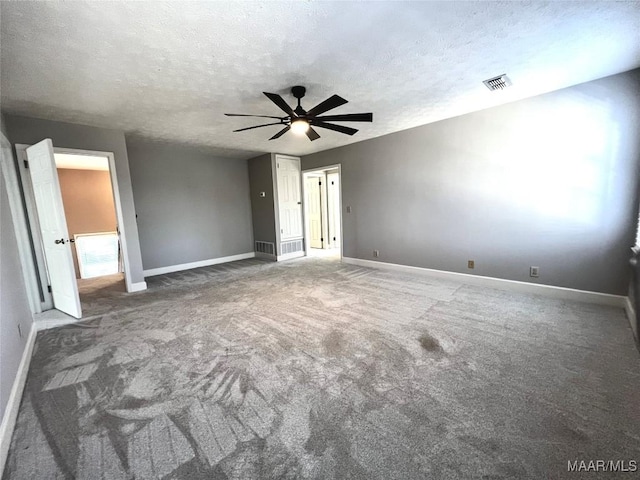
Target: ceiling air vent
x=498, y=83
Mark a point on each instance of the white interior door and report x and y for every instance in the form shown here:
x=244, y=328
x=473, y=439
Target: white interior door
x=314, y=211
x=50, y=211
x=289, y=198
x=333, y=209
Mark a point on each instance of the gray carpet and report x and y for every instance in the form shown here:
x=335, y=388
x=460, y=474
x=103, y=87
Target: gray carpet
x=314, y=369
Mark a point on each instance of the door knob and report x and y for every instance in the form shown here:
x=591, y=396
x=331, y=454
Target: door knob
x=71, y=240
x=60, y=241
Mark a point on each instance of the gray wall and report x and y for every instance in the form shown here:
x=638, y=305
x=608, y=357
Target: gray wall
x=14, y=307
x=67, y=135
x=550, y=181
x=262, y=208
x=191, y=206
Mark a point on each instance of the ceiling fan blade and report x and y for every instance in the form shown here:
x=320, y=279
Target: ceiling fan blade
x=279, y=101
x=245, y=115
x=337, y=128
x=281, y=132
x=349, y=117
x=333, y=101
x=312, y=134
x=258, y=126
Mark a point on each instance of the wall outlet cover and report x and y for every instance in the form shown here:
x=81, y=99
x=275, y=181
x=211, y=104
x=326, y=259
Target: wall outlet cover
x=471, y=264
x=534, y=271
x=376, y=253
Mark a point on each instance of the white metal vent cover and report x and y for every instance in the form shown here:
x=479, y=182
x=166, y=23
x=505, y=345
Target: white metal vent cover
x=265, y=247
x=292, y=246
x=498, y=83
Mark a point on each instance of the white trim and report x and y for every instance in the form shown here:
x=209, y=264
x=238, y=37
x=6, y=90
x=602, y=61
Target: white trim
x=337, y=166
x=631, y=316
x=499, y=283
x=116, y=201
x=289, y=256
x=202, y=263
x=137, y=287
x=13, y=404
x=268, y=256
x=40, y=288
x=275, y=157
x=20, y=151
x=20, y=225
x=276, y=208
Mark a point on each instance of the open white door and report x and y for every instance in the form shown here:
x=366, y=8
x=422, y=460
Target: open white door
x=56, y=245
x=314, y=211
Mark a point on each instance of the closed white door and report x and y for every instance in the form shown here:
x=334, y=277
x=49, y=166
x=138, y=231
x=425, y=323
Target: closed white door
x=333, y=209
x=289, y=198
x=55, y=236
x=314, y=211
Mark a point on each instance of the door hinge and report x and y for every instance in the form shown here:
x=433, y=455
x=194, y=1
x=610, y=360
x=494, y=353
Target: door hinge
x=26, y=163
x=334, y=239
x=49, y=288
x=321, y=239
x=319, y=182
x=332, y=182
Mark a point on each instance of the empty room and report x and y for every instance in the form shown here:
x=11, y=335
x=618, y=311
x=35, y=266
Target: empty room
x=319, y=240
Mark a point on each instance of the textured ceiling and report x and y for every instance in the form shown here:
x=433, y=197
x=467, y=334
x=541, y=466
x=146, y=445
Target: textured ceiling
x=169, y=70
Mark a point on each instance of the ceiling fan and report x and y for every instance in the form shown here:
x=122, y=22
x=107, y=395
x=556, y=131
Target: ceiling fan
x=302, y=121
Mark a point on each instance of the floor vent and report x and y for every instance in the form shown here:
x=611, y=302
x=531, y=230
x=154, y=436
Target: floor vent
x=265, y=247
x=292, y=246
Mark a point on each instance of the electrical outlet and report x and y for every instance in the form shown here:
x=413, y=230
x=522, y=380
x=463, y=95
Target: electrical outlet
x=376, y=253
x=534, y=271
x=471, y=264
x=348, y=208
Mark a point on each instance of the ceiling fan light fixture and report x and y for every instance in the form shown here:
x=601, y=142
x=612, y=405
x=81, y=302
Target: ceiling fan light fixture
x=299, y=126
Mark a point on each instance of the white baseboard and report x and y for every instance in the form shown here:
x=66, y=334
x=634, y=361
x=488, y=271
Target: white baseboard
x=267, y=256
x=289, y=256
x=13, y=404
x=499, y=283
x=51, y=319
x=136, y=287
x=203, y=263
x=631, y=316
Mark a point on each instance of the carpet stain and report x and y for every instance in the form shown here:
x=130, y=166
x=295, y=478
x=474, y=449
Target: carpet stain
x=430, y=343
x=334, y=343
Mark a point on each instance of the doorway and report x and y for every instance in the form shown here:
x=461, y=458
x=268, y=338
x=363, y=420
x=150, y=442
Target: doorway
x=85, y=202
x=89, y=209
x=323, y=221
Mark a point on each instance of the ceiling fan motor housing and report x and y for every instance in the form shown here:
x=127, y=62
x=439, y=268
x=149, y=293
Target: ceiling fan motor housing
x=298, y=91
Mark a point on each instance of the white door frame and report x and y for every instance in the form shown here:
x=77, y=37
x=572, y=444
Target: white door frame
x=20, y=223
x=323, y=169
x=275, y=157
x=322, y=177
x=30, y=204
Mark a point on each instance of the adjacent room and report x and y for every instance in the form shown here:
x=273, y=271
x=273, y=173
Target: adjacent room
x=319, y=240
